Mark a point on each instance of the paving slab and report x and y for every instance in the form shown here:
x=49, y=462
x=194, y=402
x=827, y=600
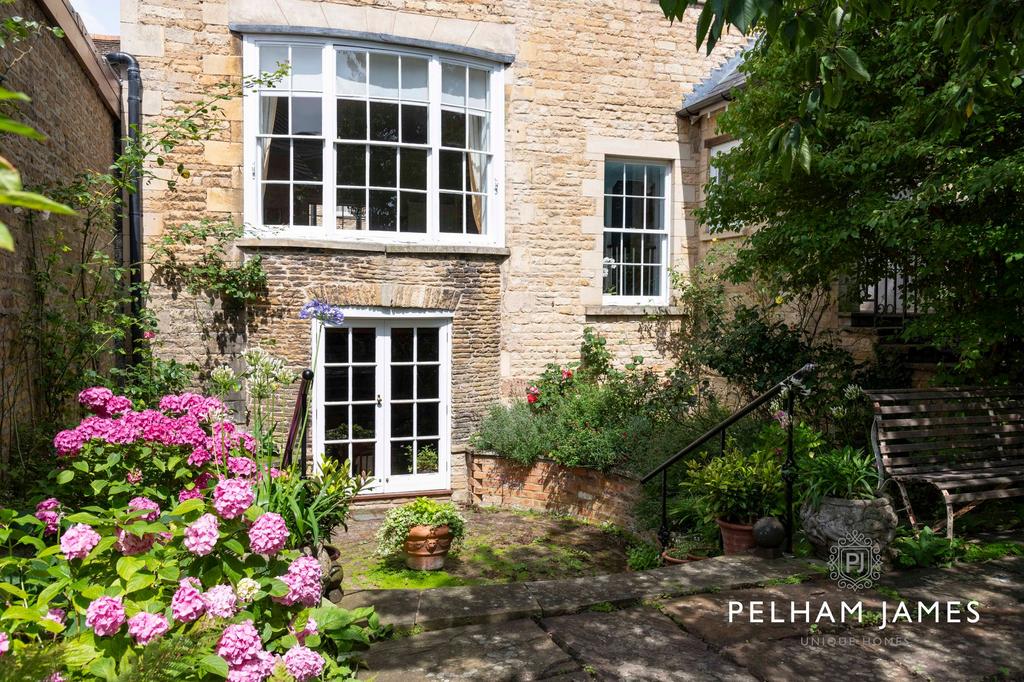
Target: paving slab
x=707, y=615
x=493, y=652
x=640, y=645
x=448, y=607
x=395, y=607
x=994, y=584
x=559, y=597
x=842, y=656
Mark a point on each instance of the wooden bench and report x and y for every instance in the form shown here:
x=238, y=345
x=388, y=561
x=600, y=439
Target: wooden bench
x=968, y=443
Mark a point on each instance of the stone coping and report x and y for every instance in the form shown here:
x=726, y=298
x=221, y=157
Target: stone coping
x=633, y=310
x=373, y=247
x=449, y=607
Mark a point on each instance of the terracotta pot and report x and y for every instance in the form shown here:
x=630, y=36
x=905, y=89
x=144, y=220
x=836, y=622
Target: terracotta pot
x=669, y=559
x=426, y=547
x=737, y=538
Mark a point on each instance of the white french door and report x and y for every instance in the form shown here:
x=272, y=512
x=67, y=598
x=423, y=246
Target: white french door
x=382, y=388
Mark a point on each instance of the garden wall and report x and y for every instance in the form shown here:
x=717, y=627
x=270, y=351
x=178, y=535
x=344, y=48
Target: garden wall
x=547, y=486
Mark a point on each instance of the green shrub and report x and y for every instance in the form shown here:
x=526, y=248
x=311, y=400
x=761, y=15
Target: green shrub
x=514, y=432
x=643, y=557
x=421, y=512
x=736, y=487
x=845, y=473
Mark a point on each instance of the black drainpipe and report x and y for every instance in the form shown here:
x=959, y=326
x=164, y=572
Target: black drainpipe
x=134, y=78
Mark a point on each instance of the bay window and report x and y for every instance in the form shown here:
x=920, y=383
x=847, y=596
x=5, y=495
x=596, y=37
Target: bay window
x=362, y=142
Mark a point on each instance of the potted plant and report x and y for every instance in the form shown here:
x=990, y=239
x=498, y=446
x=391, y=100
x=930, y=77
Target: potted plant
x=686, y=550
x=424, y=531
x=734, y=490
x=840, y=496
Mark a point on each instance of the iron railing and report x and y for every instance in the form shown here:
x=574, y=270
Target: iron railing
x=888, y=301
x=298, y=427
x=788, y=468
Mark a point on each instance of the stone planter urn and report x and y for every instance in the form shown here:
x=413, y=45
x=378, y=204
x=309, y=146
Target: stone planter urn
x=836, y=518
x=737, y=538
x=426, y=547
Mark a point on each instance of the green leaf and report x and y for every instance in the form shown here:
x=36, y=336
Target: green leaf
x=8, y=125
x=214, y=664
x=85, y=517
x=6, y=240
x=138, y=582
x=78, y=654
x=13, y=589
x=6, y=95
x=188, y=506
x=17, y=612
x=278, y=588
x=65, y=476
x=128, y=566
x=853, y=64
x=104, y=668
x=33, y=202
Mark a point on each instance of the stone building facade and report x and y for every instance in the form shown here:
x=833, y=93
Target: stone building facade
x=581, y=103
x=79, y=113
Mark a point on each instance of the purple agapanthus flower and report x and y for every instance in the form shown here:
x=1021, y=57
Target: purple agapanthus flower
x=320, y=310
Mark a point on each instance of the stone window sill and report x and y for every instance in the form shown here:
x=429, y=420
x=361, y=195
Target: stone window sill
x=633, y=310
x=373, y=247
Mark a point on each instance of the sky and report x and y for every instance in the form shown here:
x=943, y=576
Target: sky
x=101, y=17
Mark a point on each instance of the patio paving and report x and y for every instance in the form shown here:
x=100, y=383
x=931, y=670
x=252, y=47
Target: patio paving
x=673, y=626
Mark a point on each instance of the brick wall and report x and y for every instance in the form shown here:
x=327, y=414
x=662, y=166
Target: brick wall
x=68, y=108
x=549, y=487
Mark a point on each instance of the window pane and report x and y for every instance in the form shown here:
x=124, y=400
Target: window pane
x=478, y=129
x=336, y=345
x=632, y=248
x=655, y=215
x=270, y=57
x=634, y=179
x=335, y=384
x=426, y=419
x=453, y=129
x=450, y=170
x=383, y=166
x=414, y=79
x=414, y=124
x=274, y=115
x=414, y=168
x=308, y=158
x=383, y=75
x=364, y=382
x=307, y=64
x=364, y=459
x=613, y=174
x=401, y=419
x=655, y=181
x=351, y=164
x=364, y=421
x=631, y=280
x=351, y=119
x=384, y=121
x=450, y=212
x=453, y=84
x=276, y=159
x=613, y=246
x=306, y=116
x=475, y=209
x=275, y=205
x=401, y=458
x=634, y=213
x=307, y=204
x=401, y=344
x=336, y=422
x=427, y=382
x=613, y=211
x=351, y=209
x=478, y=88
x=413, y=212
x=364, y=344
x=610, y=283
x=476, y=172
x=383, y=210
x=337, y=452
x=401, y=382
x=652, y=249
x=427, y=463
x=427, y=344
x=652, y=280
x=351, y=73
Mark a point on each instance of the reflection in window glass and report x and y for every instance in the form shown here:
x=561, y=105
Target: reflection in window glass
x=636, y=231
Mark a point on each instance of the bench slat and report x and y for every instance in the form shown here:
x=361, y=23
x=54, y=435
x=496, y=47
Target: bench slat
x=977, y=430
x=953, y=464
x=974, y=474
x=950, y=421
x=904, y=395
x=999, y=407
x=933, y=446
x=988, y=495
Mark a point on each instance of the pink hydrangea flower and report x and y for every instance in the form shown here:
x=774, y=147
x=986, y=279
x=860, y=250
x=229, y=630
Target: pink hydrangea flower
x=268, y=534
x=186, y=494
x=309, y=629
x=46, y=511
x=134, y=476
x=130, y=544
x=69, y=443
x=256, y=669
x=78, y=541
x=118, y=405
x=56, y=615
x=239, y=643
x=5, y=643
x=145, y=627
x=105, y=616
x=95, y=399
x=232, y=496
x=144, y=503
x=201, y=535
x=245, y=467
x=199, y=406
x=303, y=581
x=188, y=604
x=221, y=601
x=200, y=456
x=303, y=663
x=203, y=480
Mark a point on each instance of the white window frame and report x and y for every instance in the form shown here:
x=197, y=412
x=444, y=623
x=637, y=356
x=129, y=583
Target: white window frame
x=715, y=151
x=383, y=318
x=665, y=232
x=494, y=232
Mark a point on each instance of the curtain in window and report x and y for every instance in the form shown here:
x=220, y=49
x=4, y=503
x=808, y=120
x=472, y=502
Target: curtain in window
x=268, y=114
x=477, y=166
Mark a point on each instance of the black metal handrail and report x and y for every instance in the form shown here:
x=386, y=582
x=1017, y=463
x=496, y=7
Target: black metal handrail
x=788, y=469
x=298, y=427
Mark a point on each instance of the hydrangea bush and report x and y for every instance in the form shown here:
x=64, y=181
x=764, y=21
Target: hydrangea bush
x=159, y=537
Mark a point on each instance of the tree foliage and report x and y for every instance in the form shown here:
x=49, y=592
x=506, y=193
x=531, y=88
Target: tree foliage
x=895, y=180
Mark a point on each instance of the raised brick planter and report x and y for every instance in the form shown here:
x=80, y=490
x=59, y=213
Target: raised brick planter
x=547, y=486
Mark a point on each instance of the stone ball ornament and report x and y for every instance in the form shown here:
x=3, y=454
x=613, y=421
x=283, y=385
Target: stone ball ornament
x=769, y=532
